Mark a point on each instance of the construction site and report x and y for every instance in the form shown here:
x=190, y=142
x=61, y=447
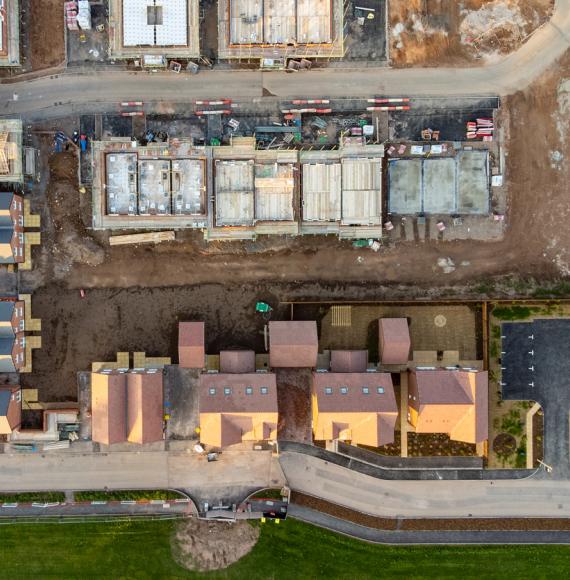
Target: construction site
x=148, y=31
x=357, y=170
x=9, y=33
x=273, y=31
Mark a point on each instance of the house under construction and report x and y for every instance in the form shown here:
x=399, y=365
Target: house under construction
x=237, y=191
x=11, y=151
x=154, y=28
x=342, y=191
x=157, y=186
x=279, y=29
x=9, y=33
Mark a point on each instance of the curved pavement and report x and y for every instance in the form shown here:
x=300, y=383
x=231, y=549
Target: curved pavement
x=425, y=537
x=71, y=93
x=531, y=497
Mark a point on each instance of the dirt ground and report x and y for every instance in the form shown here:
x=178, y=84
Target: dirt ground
x=206, y=545
x=294, y=402
x=436, y=32
x=46, y=33
x=136, y=295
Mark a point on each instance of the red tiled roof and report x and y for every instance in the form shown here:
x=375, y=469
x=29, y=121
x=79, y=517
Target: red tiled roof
x=238, y=401
x=293, y=344
x=355, y=400
x=191, y=345
x=145, y=407
x=394, y=340
x=237, y=361
x=349, y=361
x=10, y=409
x=451, y=401
x=108, y=408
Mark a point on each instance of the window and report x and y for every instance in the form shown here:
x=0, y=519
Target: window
x=212, y=391
x=380, y=390
x=344, y=390
x=249, y=390
x=264, y=390
x=365, y=390
x=328, y=390
x=227, y=390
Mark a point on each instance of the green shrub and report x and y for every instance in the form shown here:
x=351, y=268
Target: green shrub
x=514, y=312
x=127, y=495
x=33, y=497
x=512, y=423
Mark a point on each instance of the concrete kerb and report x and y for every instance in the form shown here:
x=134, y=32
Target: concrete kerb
x=530, y=435
x=411, y=538
x=388, y=472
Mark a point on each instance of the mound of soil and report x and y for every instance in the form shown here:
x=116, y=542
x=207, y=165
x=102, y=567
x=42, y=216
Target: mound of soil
x=206, y=545
x=504, y=444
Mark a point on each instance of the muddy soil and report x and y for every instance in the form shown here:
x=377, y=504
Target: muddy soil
x=452, y=33
x=46, y=33
x=136, y=295
x=206, y=545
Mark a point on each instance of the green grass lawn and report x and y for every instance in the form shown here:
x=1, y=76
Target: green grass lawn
x=288, y=550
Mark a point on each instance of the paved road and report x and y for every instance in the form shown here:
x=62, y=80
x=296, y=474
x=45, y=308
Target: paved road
x=529, y=497
x=87, y=509
x=430, y=537
x=74, y=92
x=230, y=479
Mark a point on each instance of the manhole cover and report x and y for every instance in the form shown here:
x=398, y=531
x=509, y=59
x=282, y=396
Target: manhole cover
x=440, y=320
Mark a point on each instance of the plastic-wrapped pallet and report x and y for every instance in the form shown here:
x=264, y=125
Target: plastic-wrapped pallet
x=84, y=15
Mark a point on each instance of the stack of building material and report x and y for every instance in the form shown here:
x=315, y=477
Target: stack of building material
x=84, y=15
x=481, y=128
x=71, y=15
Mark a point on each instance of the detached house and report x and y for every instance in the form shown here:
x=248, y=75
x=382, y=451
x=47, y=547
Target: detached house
x=237, y=404
x=352, y=404
x=452, y=401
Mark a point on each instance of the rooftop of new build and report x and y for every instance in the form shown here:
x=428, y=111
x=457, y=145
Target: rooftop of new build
x=9, y=33
x=168, y=28
x=269, y=29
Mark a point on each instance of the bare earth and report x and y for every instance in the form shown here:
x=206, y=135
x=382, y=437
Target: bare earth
x=136, y=295
x=46, y=34
x=448, y=32
x=206, y=545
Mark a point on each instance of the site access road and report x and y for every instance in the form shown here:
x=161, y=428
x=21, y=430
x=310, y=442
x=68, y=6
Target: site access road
x=74, y=93
x=231, y=478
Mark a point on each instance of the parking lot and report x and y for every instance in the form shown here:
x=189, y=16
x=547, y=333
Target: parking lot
x=536, y=367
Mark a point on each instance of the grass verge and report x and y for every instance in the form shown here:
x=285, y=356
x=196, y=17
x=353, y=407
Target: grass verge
x=288, y=550
x=127, y=495
x=31, y=497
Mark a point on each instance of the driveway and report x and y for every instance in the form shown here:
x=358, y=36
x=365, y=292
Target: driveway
x=536, y=367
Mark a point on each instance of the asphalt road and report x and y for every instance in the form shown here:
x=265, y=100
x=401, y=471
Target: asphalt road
x=424, y=537
x=385, y=498
x=72, y=93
